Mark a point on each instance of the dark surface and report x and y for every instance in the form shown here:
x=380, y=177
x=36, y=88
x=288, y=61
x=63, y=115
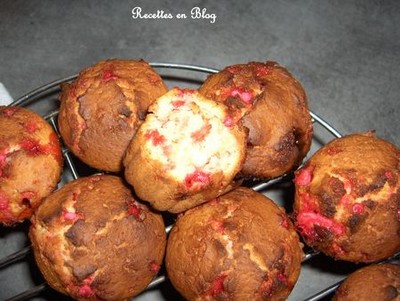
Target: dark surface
x=345, y=53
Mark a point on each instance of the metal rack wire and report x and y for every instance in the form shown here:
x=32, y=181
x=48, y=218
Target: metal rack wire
x=70, y=167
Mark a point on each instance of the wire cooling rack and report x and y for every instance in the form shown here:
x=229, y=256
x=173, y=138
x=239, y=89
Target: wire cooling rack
x=45, y=97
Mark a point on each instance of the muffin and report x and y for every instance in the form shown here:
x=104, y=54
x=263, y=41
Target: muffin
x=102, y=108
x=30, y=163
x=274, y=108
x=374, y=282
x=347, y=199
x=93, y=241
x=187, y=151
x=240, y=246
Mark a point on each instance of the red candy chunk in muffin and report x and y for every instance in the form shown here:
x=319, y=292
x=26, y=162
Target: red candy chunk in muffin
x=30, y=163
x=240, y=246
x=347, y=199
x=184, y=153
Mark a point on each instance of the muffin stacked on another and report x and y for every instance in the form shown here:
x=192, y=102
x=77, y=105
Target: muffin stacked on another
x=347, y=199
x=93, y=241
x=374, y=282
x=240, y=246
x=101, y=110
x=188, y=150
x=30, y=163
x=274, y=108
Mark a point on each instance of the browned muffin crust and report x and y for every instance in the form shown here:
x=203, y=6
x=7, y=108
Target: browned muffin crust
x=275, y=110
x=187, y=151
x=374, y=282
x=93, y=241
x=101, y=110
x=30, y=163
x=347, y=201
x=240, y=246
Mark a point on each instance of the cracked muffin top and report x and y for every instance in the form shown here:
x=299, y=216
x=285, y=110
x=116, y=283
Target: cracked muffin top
x=102, y=108
x=273, y=106
x=240, y=246
x=93, y=241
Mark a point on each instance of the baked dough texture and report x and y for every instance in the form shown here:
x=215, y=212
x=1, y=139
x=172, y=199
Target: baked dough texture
x=274, y=107
x=240, y=246
x=347, y=201
x=93, y=241
x=30, y=163
x=102, y=108
x=373, y=282
x=187, y=151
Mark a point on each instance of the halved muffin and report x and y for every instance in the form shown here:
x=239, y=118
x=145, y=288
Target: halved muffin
x=187, y=151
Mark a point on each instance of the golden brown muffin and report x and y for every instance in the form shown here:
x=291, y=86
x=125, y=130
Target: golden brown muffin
x=275, y=110
x=187, y=151
x=101, y=110
x=93, y=241
x=30, y=163
x=240, y=246
x=347, y=201
x=380, y=282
